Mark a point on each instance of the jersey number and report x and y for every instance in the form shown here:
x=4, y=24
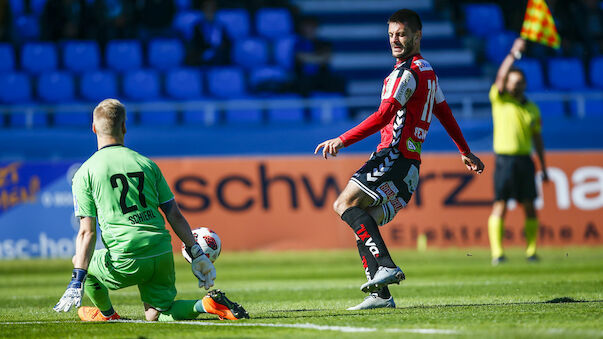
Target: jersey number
x=431, y=87
x=125, y=187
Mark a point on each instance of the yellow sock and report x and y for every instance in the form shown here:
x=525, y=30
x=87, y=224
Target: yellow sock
x=496, y=232
x=531, y=229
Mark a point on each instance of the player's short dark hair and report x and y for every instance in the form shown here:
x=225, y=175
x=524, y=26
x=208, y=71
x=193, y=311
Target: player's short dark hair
x=408, y=17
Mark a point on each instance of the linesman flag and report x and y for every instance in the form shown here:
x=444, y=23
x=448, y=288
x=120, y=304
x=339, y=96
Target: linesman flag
x=538, y=24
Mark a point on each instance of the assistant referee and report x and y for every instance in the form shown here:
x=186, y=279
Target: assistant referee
x=516, y=129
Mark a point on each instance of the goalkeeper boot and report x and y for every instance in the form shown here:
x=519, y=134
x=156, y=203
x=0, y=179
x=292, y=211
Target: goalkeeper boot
x=382, y=278
x=374, y=301
x=88, y=313
x=215, y=302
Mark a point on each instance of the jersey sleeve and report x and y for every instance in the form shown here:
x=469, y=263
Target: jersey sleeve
x=494, y=94
x=372, y=124
x=163, y=189
x=400, y=89
x=83, y=201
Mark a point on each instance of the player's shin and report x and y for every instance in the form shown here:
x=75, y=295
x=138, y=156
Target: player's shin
x=531, y=229
x=181, y=310
x=495, y=233
x=367, y=230
x=99, y=294
x=370, y=267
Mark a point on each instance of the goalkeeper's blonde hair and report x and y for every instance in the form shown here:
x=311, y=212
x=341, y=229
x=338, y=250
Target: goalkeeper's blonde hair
x=109, y=116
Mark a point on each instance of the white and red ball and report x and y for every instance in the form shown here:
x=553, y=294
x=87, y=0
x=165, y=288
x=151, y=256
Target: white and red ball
x=209, y=241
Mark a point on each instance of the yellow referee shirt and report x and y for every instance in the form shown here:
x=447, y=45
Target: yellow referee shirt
x=514, y=123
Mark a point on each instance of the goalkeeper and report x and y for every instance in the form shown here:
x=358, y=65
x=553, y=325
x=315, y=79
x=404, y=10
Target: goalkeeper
x=124, y=190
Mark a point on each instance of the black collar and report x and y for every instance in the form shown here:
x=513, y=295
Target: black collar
x=110, y=145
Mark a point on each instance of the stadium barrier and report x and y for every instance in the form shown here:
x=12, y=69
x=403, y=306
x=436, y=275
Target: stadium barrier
x=284, y=203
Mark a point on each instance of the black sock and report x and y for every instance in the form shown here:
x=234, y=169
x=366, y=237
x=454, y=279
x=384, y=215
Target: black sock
x=108, y=313
x=367, y=230
x=370, y=267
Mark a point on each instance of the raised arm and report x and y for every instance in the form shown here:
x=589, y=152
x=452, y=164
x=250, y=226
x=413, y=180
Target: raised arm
x=519, y=46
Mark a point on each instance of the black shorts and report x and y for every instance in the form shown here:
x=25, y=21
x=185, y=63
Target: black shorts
x=388, y=177
x=514, y=178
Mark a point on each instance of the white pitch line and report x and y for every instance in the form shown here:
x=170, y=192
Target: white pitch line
x=306, y=326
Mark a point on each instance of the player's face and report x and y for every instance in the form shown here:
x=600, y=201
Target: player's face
x=403, y=41
x=515, y=84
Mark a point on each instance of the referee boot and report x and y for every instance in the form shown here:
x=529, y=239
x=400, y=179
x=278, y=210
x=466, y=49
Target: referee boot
x=383, y=277
x=374, y=301
x=215, y=302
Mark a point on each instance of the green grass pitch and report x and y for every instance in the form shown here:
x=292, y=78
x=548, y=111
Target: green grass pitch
x=448, y=293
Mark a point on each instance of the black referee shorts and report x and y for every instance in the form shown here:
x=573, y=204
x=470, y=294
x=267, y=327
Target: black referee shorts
x=514, y=178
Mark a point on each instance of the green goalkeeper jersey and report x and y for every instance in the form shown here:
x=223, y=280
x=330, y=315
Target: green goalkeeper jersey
x=124, y=189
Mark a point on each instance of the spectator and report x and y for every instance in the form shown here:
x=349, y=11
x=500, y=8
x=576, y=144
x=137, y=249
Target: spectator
x=210, y=44
x=64, y=19
x=111, y=19
x=155, y=18
x=312, y=59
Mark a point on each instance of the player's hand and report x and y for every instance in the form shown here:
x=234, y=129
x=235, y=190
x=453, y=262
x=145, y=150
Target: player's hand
x=202, y=267
x=73, y=294
x=331, y=147
x=473, y=163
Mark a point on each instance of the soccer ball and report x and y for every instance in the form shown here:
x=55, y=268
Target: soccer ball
x=209, y=241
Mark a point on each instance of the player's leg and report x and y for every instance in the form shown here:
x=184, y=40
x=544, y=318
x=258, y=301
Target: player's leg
x=526, y=195
x=96, y=290
x=496, y=231
x=531, y=229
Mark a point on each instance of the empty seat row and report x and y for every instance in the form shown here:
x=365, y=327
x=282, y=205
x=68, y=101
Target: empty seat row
x=566, y=74
x=126, y=55
x=274, y=112
x=138, y=85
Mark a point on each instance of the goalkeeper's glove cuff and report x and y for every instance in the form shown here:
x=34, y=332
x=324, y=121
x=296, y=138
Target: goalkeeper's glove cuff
x=77, y=277
x=194, y=251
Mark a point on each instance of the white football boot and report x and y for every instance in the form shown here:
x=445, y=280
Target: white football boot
x=374, y=301
x=382, y=278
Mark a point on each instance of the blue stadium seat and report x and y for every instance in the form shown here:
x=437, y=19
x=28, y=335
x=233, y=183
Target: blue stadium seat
x=338, y=111
x=592, y=108
x=483, y=19
x=56, y=87
x=98, y=85
x=551, y=109
x=498, y=45
x=596, y=72
x=26, y=27
x=199, y=117
x=533, y=72
x=165, y=53
x=161, y=118
x=37, y=6
x=235, y=21
x=141, y=85
x=7, y=58
x=15, y=88
x=566, y=74
x=286, y=115
x=183, y=84
x=273, y=22
x=29, y=118
x=249, y=116
x=124, y=55
x=38, y=57
x=17, y=7
x=226, y=82
x=268, y=78
x=284, y=52
x=182, y=5
x=250, y=52
x=185, y=21
x=80, y=119
x=80, y=56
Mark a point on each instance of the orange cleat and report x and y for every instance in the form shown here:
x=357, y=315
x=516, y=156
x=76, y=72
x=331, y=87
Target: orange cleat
x=88, y=313
x=215, y=302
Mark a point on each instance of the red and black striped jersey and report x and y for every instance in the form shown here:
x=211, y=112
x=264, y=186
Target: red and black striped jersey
x=411, y=95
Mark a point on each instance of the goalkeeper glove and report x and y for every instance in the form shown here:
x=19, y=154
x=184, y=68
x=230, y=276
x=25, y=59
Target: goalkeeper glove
x=202, y=267
x=73, y=294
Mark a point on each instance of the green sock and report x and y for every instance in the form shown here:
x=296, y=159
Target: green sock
x=180, y=310
x=531, y=229
x=98, y=293
x=495, y=232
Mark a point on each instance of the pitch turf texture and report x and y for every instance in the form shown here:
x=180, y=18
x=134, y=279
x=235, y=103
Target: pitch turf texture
x=448, y=293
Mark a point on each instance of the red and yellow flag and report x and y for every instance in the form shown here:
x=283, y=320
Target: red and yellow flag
x=538, y=24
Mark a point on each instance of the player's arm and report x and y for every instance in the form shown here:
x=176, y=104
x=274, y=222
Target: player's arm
x=395, y=97
x=519, y=46
x=443, y=112
x=201, y=266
